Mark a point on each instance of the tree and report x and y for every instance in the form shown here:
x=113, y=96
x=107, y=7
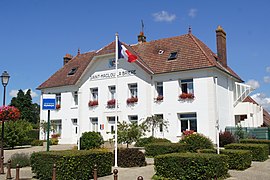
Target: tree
x=155, y=121
x=129, y=133
x=29, y=111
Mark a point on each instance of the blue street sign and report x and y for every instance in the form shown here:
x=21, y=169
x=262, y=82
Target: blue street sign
x=49, y=102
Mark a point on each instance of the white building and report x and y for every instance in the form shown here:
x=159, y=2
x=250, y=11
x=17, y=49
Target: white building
x=165, y=70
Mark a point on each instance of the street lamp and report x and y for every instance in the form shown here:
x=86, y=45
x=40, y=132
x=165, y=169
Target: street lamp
x=5, y=78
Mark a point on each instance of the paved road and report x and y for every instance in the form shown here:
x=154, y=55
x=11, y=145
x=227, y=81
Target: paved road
x=258, y=170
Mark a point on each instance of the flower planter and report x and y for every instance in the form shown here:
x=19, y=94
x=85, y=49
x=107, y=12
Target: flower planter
x=92, y=103
x=186, y=96
x=159, y=98
x=58, y=106
x=111, y=103
x=132, y=100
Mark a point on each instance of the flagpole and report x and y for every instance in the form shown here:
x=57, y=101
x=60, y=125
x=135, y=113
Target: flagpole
x=116, y=98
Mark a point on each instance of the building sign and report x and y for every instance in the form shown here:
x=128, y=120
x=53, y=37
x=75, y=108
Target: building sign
x=109, y=75
x=48, y=101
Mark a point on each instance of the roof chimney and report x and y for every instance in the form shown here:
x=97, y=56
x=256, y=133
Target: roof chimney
x=221, y=46
x=141, y=38
x=67, y=58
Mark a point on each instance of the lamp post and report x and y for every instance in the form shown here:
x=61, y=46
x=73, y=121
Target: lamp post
x=5, y=78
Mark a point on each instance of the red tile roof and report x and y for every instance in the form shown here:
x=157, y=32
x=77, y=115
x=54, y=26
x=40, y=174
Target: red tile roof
x=192, y=54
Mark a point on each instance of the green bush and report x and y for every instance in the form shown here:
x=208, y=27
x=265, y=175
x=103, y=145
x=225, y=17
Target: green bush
x=71, y=164
x=190, y=166
x=144, y=141
x=53, y=141
x=37, y=142
x=91, y=140
x=130, y=157
x=197, y=141
x=259, y=151
x=22, y=159
x=238, y=159
x=164, y=148
x=256, y=141
x=226, y=137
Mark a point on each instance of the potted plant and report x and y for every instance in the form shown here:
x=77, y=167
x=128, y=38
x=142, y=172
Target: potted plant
x=111, y=103
x=132, y=100
x=93, y=103
x=58, y=106
x=186, y=96
x=159, y=98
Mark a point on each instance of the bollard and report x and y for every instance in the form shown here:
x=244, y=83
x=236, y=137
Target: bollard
x=95, y=172
x=115, y=171
x=17, y=172
x=54, y=172
x=140, y=178
x=8, y=170
x=2, y=165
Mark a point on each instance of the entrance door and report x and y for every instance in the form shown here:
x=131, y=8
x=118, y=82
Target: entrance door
x=75, y=131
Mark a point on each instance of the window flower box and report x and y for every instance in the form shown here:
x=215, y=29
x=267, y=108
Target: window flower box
x=111, y=103
x=159, y=98
x=186, y=96
x=93, y=103
x=58, y=106
x=9, y=113
x=132, y=100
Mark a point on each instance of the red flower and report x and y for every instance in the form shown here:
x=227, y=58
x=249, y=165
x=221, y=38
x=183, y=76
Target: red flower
x=132, y=100
x=93, y=103
x=111, y=103
x=188, y=132
x=186, y=96
x=58, y=106
x=159, y=98
x=9, y=113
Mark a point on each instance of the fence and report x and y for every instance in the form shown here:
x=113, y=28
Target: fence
x=17, y=177
x=257, y=133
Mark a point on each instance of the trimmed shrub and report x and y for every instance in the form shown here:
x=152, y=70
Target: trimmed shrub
x=91, y=140
x=238, y=159
x=144, y=141
x=256, y=141
x=226, y=137
x=164, y=148
x=190, y=166
x=130, y=157
x=197, y=141
x=259, y=151
x=37, y=142
x=53, y=141
x=71, y=164
x=22, y=159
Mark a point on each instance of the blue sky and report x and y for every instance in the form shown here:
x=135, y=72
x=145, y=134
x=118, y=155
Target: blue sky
x=36, y=34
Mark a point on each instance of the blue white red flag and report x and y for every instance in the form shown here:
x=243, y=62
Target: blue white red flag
x=126, y=54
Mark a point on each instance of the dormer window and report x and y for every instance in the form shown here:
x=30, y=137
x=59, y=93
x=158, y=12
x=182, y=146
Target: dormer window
x=72, y=71
x=172, y=56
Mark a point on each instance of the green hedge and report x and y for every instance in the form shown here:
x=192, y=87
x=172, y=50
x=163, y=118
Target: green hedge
x=164, y=148
x=259, y=151
x=70, y=164
x=130, y=157
x=256, y=141
x=142, y=142
x=238, y=159
x=190, y=166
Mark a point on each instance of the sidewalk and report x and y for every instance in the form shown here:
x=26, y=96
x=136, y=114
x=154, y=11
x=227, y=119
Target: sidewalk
x=258, y=170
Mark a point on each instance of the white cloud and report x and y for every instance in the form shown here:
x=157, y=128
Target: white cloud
x=253, y=83
x=164, y=16
x=266, y=79
x=13, y=93
x=192, y=13
x=263, y=100
x=268, y=69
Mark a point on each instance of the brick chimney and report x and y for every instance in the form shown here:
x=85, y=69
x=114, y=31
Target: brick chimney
x=67, y=58
x=141, y=38
x=221, y=46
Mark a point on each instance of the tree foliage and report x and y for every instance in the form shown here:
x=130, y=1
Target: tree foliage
x=155, y=121
x=29, y=110
x=129, y=133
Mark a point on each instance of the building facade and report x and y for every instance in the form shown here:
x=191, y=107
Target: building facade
x=178, y=78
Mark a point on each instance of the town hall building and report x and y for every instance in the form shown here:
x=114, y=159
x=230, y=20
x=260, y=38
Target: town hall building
x=177, y=78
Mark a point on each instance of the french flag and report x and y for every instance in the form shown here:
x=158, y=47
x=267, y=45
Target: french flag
x=124, y=53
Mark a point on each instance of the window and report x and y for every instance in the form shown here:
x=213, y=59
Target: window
x=172, y=56
x=57, y=124
x=112, y=91
x=159, y=88
x=133, y=89
x=187, y=86
x=94, y=94
x=111, y=124
x=188, y=121
x=160, y=116
x=133, y=119
x=75, y=97
x=72, y=71
x=58, y=99
x=94, y=124
x=74, y=121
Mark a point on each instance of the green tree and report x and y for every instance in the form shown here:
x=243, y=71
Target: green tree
x=155, y=121
x=129, y=133
x=29, y=110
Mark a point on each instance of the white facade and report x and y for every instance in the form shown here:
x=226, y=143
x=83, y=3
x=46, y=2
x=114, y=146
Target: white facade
x=213, y=101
